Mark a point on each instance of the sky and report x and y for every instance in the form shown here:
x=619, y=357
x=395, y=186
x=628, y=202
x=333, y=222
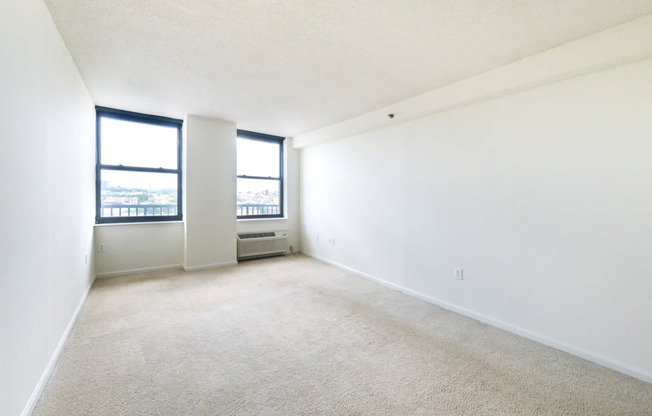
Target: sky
x=146, y=145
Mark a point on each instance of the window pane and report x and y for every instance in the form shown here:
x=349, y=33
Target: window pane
x=258, y=197
x=129, y=143
x=129, y=194
x=258, y=158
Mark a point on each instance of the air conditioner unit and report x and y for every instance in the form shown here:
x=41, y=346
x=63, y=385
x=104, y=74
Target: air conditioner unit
x=252, y=245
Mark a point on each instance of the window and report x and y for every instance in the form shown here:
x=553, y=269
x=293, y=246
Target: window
x=260, y=175
x=138, y=171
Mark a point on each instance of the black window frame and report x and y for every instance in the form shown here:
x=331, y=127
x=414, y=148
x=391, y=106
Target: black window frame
x=252, y=135
x=106, y=112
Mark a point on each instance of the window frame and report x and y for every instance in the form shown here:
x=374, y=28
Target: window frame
x=106, y=112
x=252, y=135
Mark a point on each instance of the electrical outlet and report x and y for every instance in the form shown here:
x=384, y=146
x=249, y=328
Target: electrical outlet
x=459, y=274
x=100, y=247
x=85, y=258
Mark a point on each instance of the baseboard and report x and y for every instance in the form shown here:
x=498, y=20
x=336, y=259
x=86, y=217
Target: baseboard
x=166, y=267
x=36, y=394
x=210, y=266
x=526, y=333
x=138, y=270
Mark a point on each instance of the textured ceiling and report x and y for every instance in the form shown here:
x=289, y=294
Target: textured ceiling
x=290, y=66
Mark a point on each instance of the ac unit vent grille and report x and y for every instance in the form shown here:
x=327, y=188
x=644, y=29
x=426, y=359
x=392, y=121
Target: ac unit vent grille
x=256, y=235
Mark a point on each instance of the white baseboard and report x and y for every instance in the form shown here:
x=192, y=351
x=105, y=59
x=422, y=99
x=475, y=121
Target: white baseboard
x=526, y=333
x=210, y=266
x=36, y=394
x=166, y=267
x=138, y=270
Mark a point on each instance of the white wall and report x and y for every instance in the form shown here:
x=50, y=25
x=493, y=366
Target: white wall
x=210, y=193
x=542, y=196
x=47, y=126
x=291, y=195
x=137, y=247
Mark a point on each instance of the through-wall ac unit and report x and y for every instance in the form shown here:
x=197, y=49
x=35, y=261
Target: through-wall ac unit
x=252, y=245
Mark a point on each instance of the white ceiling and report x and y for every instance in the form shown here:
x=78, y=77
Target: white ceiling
x=290, y=66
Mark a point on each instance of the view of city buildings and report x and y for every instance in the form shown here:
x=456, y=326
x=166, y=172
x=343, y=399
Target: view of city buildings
x=118, y=201
x=264, y=197
x=260, y=202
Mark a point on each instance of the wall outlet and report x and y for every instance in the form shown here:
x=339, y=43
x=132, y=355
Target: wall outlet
x=459, y=274
x=85, y=258
x=100, y=247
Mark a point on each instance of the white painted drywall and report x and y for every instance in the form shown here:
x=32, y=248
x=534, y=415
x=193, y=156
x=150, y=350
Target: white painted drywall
x=47, y=126
x=543, y=197
x=137, y=247
x=291, y=195
x=210, y=192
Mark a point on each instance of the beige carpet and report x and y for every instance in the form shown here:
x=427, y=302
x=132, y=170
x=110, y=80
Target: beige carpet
x=290, y=336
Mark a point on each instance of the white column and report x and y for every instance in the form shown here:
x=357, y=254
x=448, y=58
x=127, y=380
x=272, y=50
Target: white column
x=209, y=193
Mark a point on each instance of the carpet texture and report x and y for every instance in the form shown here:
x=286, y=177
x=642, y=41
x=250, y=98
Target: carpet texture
x=293, y=336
